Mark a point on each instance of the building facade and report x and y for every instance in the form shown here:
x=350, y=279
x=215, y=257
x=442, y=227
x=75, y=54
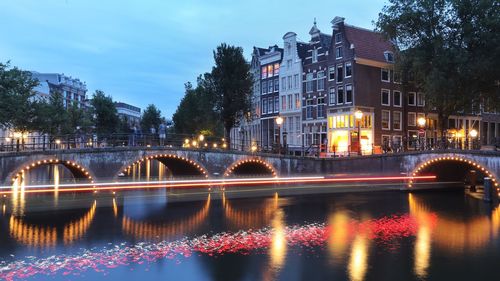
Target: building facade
x=129, y=113
x=72, y=89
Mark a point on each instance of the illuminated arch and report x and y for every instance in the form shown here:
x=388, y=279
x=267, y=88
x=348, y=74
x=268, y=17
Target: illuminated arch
x=149, y=230
x=196, y=168
x=458, y=159
x=242, y=167
x=76, y=169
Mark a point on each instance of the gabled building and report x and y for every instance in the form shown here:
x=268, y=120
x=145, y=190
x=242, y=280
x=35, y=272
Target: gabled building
x=290, y=93
x=315, y=89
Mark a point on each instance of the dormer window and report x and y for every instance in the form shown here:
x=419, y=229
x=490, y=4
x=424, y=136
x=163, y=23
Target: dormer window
x=389, y=56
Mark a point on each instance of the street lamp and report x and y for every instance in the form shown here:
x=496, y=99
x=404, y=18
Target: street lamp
x=421, y=123
x=201, y=138
x=359, y=115
x=473, y=134
x=279, y=121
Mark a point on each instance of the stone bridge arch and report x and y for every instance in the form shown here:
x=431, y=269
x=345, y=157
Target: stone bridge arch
x=177, y=164
x=77, y=170
x=250, y=166
x=453, y=167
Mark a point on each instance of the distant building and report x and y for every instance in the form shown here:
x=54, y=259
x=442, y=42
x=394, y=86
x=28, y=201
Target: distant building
x=132, y=114
x=72, y=89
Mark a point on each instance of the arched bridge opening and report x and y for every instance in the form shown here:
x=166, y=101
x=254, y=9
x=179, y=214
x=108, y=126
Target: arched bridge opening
x=456, y=169
x=163, y=166
x=251, y=167
x=52, y=171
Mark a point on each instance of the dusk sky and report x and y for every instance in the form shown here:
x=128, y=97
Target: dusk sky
x=142, y=52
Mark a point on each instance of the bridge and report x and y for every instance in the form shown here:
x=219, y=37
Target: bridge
x=105, y=164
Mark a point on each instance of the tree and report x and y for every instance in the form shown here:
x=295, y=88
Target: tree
x=17, y=101
x=449, y=49
x=151, y=118
x=52, y=117
x=232, y=83
x=105, y=116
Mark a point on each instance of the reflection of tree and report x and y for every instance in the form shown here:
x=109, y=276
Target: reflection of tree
x=46, y=236
x=151, y=230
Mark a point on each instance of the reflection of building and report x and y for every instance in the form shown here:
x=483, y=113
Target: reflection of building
x=72, y=89
x=130, y=113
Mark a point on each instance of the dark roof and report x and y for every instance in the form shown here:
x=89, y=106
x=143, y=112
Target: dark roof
x=260, y=51
x=325, y=40
x=368, y=44
x=302, y=49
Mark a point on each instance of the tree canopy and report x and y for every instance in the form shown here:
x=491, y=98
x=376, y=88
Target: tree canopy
x=151, y=118
x=104, y=113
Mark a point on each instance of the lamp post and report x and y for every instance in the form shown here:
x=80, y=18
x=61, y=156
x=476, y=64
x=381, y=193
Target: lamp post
x=421, y=123
x=279, y=121
x=473, y=134
x=359, y=115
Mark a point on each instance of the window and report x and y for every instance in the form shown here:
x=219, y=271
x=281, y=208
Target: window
x=283, y=102
x=264, y=72
x=397, y=98
x=295, y=81
x=348, y=94
x=338, y=38
x=270, y=86
x=289, y=101
x=338, y=52
x=289, y=64
x=331, y=95
x=309, y=82
x=321, y=108
x=270, y=109
x=396, y=120
x=276, y=104
x=264, y=106
x=276, y=84
x=321, y=80
x=289, y=79
x=314, y=55
x=397, y=77
x=348, y=69
x=297, y=101
x=340, y=73
x=309, y=107
x=340, y=95
x=276, y=69
x=297, y=124
x=386, y=120
x=412, y=98
x=389, y=56
x=412, y=119
x=283, y=83
x=386, y=97
x=264, y=87
x=270, y=70
x=331, y=73
x=385, y=75
x=420, y=100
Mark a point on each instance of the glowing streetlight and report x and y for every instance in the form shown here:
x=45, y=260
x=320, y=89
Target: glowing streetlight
x=194, y=143
x=279, y=121
x=186, y=141
x=58, y=141
x=421, y=122
x=214, y=145
x=473, y=133
x=253, y=148
x=201, y=138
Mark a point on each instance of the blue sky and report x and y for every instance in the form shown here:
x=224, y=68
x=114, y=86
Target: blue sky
x=142, y=52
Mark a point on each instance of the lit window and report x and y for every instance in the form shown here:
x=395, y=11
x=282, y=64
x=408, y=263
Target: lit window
x=264, y=72
x=276, y=69
x=386, y=97
x=270, y=70
x=385, y=75
x=386, y=120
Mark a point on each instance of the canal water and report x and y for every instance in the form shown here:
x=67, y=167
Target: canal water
x=149, y=235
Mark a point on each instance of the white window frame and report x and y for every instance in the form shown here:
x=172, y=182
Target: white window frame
x=400, y=98
x=388, y=97
x=310, y=74
x=337, y=53
x=420, y=97
x=400, y=113
x=345, y=94
x=314, y=57
x=414, y=119
x=414, y=99
x=388, y=75
x=345, y=69
x=382, y=120
x=320, y=78
x=337, y=35
x=330, y=93
x=330, y=68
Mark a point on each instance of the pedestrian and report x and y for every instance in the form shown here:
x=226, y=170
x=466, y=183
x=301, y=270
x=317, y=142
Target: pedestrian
x=162, y=132
x=152, y=132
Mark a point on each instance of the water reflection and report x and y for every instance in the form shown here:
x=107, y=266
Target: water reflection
x=147, y=170
x=250, y=216
x=339, y=223
x=358, y=259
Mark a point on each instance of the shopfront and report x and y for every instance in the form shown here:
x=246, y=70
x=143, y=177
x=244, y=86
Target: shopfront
x=343, y=130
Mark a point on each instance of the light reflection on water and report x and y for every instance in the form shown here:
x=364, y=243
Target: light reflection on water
x=356, y=234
